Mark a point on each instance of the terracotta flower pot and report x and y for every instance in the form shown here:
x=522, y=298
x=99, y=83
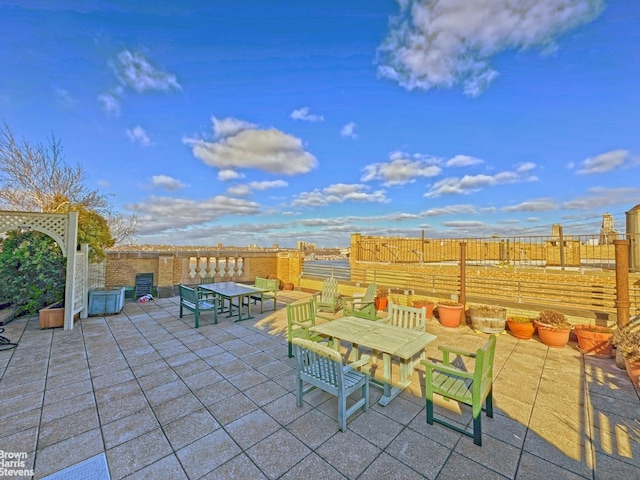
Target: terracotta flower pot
x=633, y=370
x=553, y=337
x=427, y=305
x=450, y=315
x=381, y=303
x=521, y=330
x=594, y=340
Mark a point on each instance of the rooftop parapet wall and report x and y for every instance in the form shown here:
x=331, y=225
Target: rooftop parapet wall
x=171, y=268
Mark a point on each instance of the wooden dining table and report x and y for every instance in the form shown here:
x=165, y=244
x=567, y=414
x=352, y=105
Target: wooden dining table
x=388, y=340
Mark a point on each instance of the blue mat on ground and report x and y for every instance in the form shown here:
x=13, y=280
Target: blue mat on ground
x=94, y=468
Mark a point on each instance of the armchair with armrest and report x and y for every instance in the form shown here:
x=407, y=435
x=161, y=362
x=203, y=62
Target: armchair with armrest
x=364, y=306
x=473, y=388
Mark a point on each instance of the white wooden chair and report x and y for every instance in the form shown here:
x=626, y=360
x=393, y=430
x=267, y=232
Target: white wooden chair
x=328, y=299
x=321, y=367
x=411, y=318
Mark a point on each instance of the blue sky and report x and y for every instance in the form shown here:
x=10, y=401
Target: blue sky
x=262, y=122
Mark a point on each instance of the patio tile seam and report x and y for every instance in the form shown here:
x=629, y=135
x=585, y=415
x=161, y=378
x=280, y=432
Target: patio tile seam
x=192, y=391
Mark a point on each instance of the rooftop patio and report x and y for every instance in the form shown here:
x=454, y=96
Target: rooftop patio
x=148, y=396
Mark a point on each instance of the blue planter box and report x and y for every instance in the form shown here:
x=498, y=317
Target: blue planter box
x=106, y=301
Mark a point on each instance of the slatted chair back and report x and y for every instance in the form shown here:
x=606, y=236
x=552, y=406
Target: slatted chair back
x=328, y=299
x=329, y=290
x=193, y=300
x=300, y=317
x=364, y=306
x=407, y=317
x=144, y=285
x=321, y=367
x=471, y=388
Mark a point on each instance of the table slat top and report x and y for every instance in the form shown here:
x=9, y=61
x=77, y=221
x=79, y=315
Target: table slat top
x=230, y=289
x=398, y=341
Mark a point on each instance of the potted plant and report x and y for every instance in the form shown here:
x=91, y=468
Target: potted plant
x=424, y=303
x=381, y=299
x=553, y=328
x=521, y=327
x=488, y=318
x=627, y=341
x=594, y=340
x=450, y=313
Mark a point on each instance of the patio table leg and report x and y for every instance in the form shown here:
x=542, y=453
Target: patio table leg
x=392, y=391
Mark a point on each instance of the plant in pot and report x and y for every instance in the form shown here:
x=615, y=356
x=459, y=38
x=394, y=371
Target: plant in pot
x=521, y=327
x=424, y=303
x=553, y=328
x=450, y=313
x=594, y=340
x=488, y=318
x=627, y=341
x=381, y=299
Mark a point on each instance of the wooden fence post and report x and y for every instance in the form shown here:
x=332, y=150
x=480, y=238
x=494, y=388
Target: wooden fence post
x=622, y=289
x=463, y=278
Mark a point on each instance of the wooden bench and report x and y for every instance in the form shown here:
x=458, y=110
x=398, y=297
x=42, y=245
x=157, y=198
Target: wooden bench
x=192, y=299
x=271, y=286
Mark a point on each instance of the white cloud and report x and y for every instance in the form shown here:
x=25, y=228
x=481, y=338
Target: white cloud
x=227, y=174
x=539, y=205
x=168, y=215
x=267, y=150
x=473, y=183
x=463, y=161
x=348, y=131
x=64, y=97
x=134, y=70
x=110, y=103
x=166, y=182
x=444, y=43
x=339, y=193
x=239, y=190
x=138, y=135
x=604, y=162
x=450, y=210
x=228, y=127
x=303, y=114
x=267, y=184
x=248, y=188
x=599, y=198
x=401, y=169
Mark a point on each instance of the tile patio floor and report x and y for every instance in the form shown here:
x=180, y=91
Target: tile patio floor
x=165, y=401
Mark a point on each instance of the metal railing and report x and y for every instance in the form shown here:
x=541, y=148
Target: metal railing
x=564, y=251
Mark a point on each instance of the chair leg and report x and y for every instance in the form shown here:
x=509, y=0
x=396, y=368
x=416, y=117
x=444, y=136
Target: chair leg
x=429, y=411
x=477, y=430
x=298, y=391
x=197, y=319
x=365, y=393
x=342, y=412
x=489, y=404
x=290, y=349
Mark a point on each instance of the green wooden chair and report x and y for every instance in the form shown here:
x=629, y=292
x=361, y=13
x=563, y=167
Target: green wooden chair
x=363, y=307
x=471, y=388
x=300, y=317
x=193, y=299
x=321, y=367
x=328, y=300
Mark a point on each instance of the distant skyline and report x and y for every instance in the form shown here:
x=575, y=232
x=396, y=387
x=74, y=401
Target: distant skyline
x=251, y=122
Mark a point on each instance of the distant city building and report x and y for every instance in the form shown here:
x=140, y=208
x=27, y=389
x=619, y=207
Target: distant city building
x=300, y=245
x=607, y=232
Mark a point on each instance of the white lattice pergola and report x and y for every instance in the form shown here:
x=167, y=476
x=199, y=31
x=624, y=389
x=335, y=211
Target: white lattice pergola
x=63, y=228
